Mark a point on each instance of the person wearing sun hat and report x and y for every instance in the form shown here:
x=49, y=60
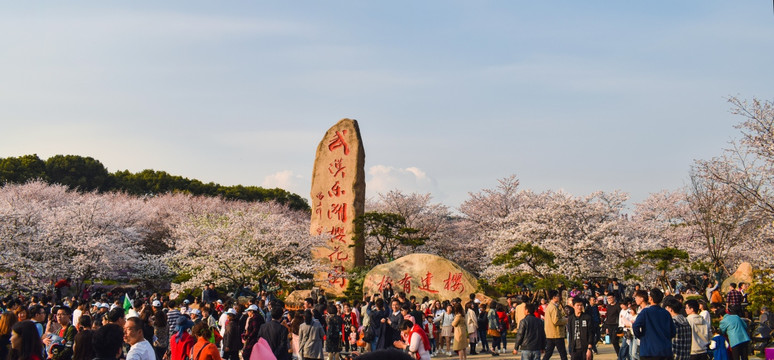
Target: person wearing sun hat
x=232, y=342
x=254, y=322
x=181, y=342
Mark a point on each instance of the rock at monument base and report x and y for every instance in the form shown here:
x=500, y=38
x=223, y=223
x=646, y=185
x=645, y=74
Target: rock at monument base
x=422, y=275
x=743, y=274
x=295, y=300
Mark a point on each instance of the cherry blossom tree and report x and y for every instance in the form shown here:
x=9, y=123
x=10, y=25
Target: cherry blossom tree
x=747, y=166
x=258, y=243
x=578, y=231
x=53, y=233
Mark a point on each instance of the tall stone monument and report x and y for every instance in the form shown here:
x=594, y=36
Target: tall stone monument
x=338, y=196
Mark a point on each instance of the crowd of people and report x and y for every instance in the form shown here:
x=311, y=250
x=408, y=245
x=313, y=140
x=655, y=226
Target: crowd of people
x=640, y=324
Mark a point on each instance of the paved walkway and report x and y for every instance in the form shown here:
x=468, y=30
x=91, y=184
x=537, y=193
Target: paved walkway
x=605, y=353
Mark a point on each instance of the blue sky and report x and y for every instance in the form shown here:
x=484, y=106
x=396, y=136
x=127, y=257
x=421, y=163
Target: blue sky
x=450, y=95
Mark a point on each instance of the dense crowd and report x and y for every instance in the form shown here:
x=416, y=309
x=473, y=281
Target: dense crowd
x=640, y=325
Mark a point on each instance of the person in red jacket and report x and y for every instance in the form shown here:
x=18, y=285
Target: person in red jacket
x=181, y=342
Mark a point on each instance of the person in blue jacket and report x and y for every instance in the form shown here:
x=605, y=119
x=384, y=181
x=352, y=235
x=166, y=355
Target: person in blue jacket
x=736, y=330
x=654, y=327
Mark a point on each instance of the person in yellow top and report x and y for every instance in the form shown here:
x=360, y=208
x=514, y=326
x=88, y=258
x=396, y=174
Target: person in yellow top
x=520, y=314
x=460, y=331
x=554, y=324
x=203, y=349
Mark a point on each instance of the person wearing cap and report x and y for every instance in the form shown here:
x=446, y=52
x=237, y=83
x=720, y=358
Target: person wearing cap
x=232, y=342
x=184, y=309
x=181, y=342
x=101, y=315
x=250, y=337
x=196, y=315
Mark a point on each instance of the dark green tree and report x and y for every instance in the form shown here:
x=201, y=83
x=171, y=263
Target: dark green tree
x=664, y=260
x=77, y=172
x=540, y=264
x=383, y=235
x=22, y=169
x=87, y=174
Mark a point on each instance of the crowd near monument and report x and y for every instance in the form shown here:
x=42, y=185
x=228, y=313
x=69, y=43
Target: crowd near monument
x=420, y=305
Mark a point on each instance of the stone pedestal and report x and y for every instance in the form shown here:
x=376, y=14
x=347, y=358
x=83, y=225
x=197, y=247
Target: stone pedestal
x=422, y=275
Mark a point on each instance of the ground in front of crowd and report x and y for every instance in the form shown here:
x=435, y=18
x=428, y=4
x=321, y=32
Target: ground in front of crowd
x=605, y=353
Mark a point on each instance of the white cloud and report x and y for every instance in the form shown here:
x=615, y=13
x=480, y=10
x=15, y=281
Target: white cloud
x=382, y=179
x=286, y=180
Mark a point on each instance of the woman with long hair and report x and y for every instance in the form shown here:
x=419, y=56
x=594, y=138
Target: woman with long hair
x=7, y=320
x=82, y=349
x=460, y=331
x=471, y=320
x=502, y=315
x=494, y=328
x=161, y=331
x=447, y=329
x=25, y=341
x=298, y=319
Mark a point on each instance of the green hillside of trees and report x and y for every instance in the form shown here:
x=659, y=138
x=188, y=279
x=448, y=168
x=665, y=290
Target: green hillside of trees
x=88, y=174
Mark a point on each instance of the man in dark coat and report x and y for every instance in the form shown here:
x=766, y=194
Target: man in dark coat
x=581, y=334
x=531, y=335
x=276, y=334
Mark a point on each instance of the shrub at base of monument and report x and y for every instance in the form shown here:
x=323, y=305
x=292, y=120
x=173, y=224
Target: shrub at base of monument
x=422, y=275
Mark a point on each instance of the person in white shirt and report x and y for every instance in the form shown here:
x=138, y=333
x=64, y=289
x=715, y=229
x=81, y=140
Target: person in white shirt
x=77, y=313
x=700, y=331
x=140, y=349
x=418, y=345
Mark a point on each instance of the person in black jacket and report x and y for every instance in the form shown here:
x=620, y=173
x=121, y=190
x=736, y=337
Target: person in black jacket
x=483, y=327
x=596, y=320
x=580, y=332
x=334, y=335
x=276, y=334
x=232, y=341
x=531, y=336
x=376, y=321
x=611, y=321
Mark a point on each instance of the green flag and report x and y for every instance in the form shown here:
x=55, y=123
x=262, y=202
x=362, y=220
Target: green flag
x=127, y=302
